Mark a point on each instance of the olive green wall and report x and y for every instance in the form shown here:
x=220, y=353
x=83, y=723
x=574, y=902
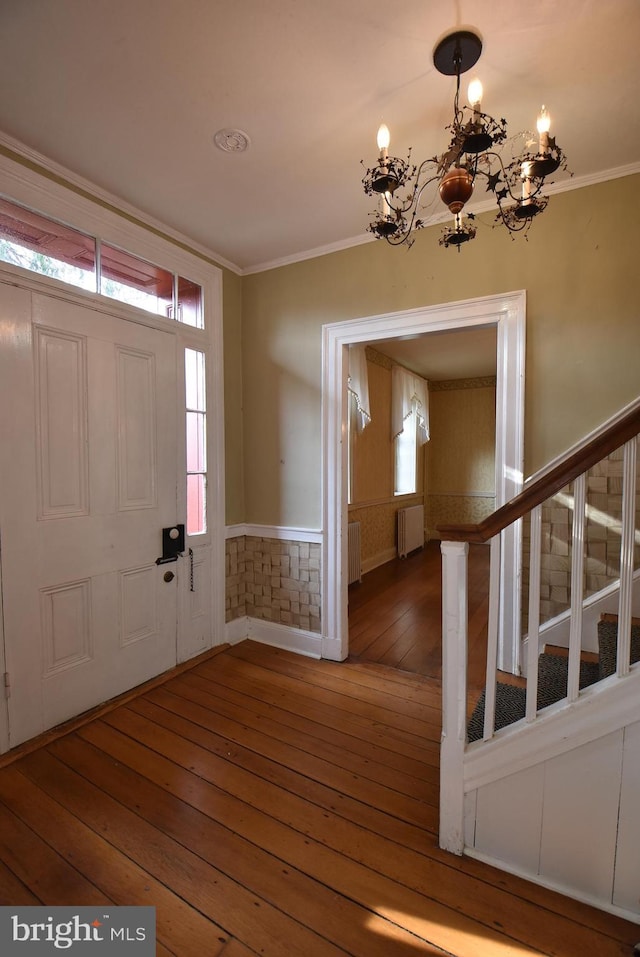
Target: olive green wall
x=233, y=425
x=583, y=333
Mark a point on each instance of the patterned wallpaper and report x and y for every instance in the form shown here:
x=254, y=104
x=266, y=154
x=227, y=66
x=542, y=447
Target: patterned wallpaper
x=274, y=580
x=457, y=510
x=460, y=483
x=378, y=528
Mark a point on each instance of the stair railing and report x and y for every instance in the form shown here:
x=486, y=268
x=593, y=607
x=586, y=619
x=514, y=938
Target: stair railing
x=622, y=432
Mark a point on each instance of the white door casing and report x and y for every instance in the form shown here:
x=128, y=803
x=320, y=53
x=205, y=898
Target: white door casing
x=89, y=480
x=38, y=183
x=507, y=313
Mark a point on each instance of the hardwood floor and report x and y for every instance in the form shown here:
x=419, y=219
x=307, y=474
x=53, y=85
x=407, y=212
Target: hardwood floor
x=267, y=803
x=395, y=614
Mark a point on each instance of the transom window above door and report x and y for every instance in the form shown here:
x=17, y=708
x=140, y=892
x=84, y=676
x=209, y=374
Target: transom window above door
x=35, y=242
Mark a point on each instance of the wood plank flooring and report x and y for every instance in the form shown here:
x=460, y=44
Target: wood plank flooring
x=267, y=803
x=395, y=614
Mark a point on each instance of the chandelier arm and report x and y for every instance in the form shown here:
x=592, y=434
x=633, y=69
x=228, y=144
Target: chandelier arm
x=512, y=224
x=502, y=184
x=418, y=191
x=412, y=200
x=516, y=185
x=404, y=206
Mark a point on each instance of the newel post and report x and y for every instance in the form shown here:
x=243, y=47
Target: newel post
x=454, y=694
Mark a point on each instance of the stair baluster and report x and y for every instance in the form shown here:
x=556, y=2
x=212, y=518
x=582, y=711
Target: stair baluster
x=492, y=639
x=626, y=554
x=533, y=640
x=577, y=586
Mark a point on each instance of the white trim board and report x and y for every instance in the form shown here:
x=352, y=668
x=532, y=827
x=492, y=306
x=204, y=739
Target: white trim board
x=236, y=630
x=77, y=182
x=105, y=199
x=507, y=313
x=551, y=885
x=601, y=709
x=282, y=533
x=284, y=636
x=273, y=634
x=564, y=186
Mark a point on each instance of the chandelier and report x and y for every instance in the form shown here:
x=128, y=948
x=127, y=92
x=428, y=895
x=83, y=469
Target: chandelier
x=476, y=149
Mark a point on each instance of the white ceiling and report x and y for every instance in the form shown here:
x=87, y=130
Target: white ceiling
x=129, y=93
x=437, y=356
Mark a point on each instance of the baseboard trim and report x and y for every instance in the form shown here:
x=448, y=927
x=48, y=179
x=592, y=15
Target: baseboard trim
x=236, y=630
x=552, y=885
x=368, y=564
x=283, y=636
x=73, y=724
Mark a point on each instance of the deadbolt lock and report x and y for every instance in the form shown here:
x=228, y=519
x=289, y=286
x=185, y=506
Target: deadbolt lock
x=169, y=576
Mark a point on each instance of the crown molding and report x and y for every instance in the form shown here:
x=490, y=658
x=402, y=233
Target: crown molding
x=310, y=254
x=29, y=157
x=26, y=156
x=564, y=186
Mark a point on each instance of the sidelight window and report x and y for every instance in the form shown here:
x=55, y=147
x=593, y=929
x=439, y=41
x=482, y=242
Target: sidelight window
x=196, y=431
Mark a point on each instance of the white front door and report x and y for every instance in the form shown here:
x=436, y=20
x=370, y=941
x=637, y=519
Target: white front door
x=88, y=463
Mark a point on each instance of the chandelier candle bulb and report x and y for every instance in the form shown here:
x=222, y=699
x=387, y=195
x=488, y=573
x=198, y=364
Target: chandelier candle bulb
x=477, y=150
x=383, y=140
x=544, y=125
x=526, y=181
x=475, y=94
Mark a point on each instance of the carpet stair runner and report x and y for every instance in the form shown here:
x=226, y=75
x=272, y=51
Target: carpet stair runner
x=552, y=679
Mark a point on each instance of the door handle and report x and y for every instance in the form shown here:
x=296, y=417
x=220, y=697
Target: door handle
x=172, y=544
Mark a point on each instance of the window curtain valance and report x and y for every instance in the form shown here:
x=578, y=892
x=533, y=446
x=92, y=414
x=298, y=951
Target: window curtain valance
x=358, y=384
x=409, y=396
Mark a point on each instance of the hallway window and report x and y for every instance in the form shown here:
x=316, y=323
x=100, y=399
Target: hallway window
x=195, y=388
x=409, y=426
x=406, y=459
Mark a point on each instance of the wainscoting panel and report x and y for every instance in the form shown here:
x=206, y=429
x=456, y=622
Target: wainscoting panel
x=569, y=823
x=274, y=580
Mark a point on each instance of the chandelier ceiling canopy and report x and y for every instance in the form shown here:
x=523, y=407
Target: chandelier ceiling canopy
x=514, y=170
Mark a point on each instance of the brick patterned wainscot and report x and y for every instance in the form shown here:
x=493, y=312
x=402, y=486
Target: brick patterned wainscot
x=273, y=580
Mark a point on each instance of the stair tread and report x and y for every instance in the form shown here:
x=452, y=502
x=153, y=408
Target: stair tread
x=511, y=700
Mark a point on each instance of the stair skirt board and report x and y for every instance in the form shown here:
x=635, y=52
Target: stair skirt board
x=511, y=700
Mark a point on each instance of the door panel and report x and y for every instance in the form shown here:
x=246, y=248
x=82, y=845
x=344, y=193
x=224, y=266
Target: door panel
x=88, y=486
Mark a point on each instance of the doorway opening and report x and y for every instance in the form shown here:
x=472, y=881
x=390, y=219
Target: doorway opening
x=506, y=313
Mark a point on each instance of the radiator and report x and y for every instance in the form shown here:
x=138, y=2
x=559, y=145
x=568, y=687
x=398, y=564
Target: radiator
x=410, y=529
x=353, y=552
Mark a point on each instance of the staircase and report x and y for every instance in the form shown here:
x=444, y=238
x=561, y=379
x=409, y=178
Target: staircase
x=553, y=672
x=544, y=757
